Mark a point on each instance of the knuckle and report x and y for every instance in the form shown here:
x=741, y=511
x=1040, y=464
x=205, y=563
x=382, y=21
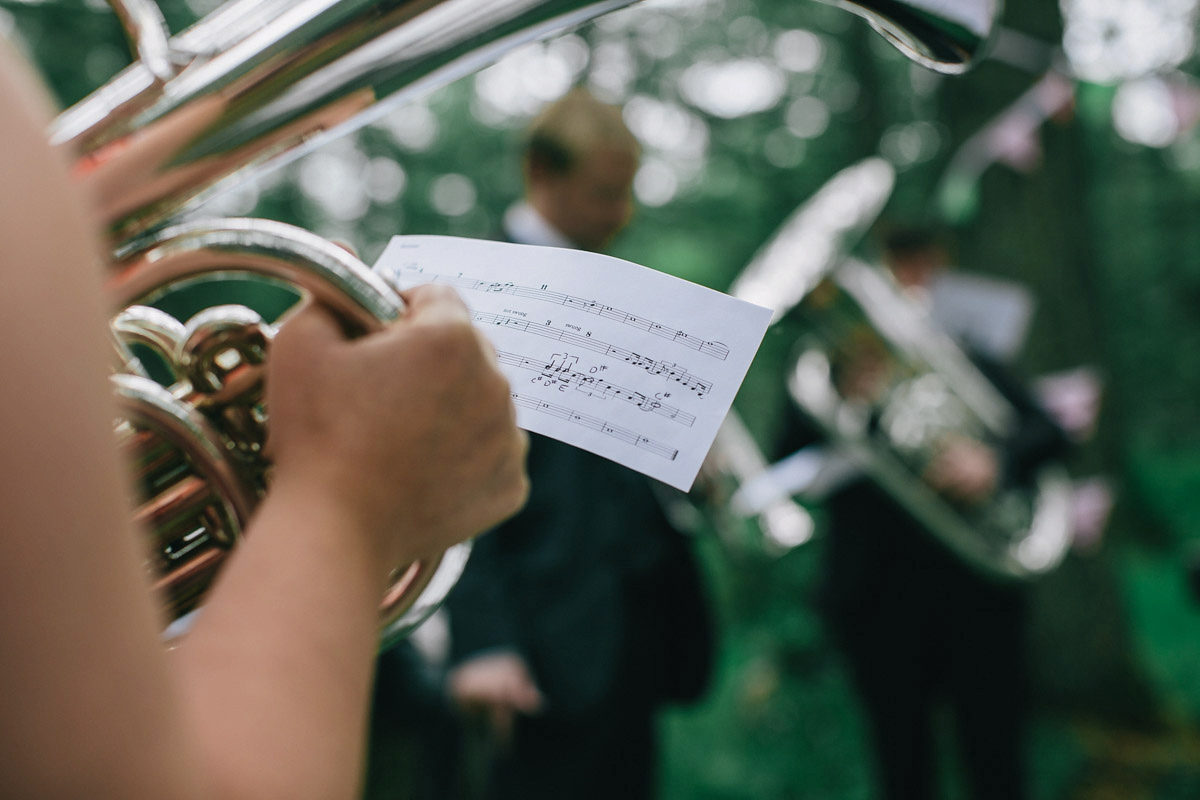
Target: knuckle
x=498, y=392
x=436, y=292
x=439, y=299
x=451, y=343
x=517, y=496
x=520, y=493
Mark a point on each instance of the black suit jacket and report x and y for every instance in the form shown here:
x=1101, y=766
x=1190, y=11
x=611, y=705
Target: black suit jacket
x=591, y=585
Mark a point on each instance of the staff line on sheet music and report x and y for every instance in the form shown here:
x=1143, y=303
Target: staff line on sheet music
x=714, y=349
x=595, y=387
x=624, y=434
x=668, y=370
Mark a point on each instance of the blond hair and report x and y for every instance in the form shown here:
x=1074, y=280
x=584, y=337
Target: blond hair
x=574, y=125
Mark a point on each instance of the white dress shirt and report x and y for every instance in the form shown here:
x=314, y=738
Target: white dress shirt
x=524, y=225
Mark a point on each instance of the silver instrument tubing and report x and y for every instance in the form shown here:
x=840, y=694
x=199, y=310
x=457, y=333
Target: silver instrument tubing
x=947, y=36
x=275, y=79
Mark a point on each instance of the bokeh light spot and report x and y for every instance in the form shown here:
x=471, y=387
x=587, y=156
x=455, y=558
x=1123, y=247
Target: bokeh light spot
x=452, y=194
x=783, y=149
x=332, y=179
x=1107, y=41
x=799, y=50
x=413, y=126
x=655, y=183
x=807, y=117
x=384, y=180
x=910, y=143
x=1144, y=113
x=733, y=88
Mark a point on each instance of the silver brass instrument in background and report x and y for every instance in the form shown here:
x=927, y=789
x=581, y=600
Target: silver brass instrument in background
x=929, y=392
x=924, y=388
x=810, y=242
x=948, y=37
x=252, y=86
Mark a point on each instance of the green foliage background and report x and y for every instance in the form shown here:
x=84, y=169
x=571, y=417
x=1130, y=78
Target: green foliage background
x=1102, y=230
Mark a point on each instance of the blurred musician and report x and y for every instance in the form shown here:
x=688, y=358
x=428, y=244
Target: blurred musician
x=575, y=621
x=920, y=630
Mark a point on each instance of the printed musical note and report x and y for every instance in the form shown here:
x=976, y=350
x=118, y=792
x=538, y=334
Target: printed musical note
x=672, y=372
x=593, y=386
x=714, y=349
x=585, y=344
x=596, y=424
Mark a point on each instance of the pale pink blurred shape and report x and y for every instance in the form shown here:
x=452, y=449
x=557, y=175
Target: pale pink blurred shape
x=1091, y=505
x=1072, y=398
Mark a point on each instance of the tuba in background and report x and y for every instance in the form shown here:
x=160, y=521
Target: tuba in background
x=250, y=87
x=947, y=37
x=886, y=389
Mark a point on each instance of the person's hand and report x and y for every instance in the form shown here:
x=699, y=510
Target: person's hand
x=964, y=470
x=498, y=685
x=409, y=432
x=710, y=487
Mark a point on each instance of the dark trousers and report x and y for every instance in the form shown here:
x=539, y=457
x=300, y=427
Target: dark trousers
x=609, y=753
x=952, y=651
x=415, y=735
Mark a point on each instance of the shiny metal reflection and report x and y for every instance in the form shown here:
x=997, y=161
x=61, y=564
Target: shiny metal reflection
x=258, y=83
x=197, y=443
x=932, y=392
x=816, y=236
x=944, y=35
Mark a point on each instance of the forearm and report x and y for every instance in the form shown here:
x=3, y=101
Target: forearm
x=277, y=671
x=267, y=696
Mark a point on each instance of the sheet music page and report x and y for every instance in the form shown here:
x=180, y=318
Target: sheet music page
x=982, y=312
x=634, y=365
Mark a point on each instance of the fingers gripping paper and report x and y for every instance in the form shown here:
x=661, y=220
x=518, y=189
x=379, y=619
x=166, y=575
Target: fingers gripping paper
x=631, y=364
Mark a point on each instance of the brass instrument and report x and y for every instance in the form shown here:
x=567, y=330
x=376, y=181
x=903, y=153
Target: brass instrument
x=886, y=387
x=252, y=86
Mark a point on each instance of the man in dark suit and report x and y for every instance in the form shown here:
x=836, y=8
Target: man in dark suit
x=576, y=620
x=922, y=632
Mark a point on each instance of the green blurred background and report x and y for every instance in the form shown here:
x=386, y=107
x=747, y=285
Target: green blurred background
x=1068, y=161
